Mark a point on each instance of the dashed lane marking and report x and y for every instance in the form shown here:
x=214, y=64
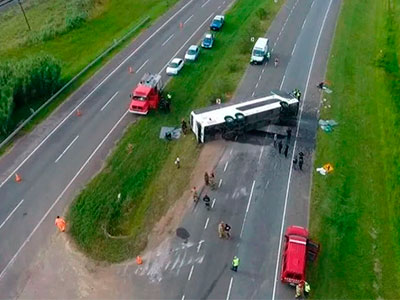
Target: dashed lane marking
x=205, y=3
x=167, y=40
x=66, y=149
x=247, y=208
x=191, y=272
x=108, y=102
x=229, y=289
x=141, y=67
x=212, y=205
x=188, y=19
x=11, y=213
x=205, y=225
x=226, y=166
x=220, y=182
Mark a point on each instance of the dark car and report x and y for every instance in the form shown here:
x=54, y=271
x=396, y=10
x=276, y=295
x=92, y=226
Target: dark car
x=217, y=23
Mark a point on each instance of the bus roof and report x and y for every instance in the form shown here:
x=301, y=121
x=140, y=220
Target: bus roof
x=216, y=114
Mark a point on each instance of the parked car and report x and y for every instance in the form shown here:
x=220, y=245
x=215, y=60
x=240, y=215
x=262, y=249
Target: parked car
x=192, y=53
x=217, y=23
x=208, y=41
x=174, y=66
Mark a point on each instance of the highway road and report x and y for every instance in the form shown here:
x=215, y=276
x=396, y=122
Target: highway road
x=62, y=153
x=260, y=192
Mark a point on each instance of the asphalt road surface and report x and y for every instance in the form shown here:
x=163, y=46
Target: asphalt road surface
x=261, y=193
x=61, y=155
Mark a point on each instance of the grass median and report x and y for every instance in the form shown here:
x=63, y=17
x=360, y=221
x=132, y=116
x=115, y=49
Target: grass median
x=355, y=211
x=147, y=179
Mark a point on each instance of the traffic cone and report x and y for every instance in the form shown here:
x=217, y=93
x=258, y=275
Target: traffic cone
x=139, y=260
x=181, y=25
x=78, y=113
x=18, y=178
x=130, y=70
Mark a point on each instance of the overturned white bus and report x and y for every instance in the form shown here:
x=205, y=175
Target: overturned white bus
x=233, y=120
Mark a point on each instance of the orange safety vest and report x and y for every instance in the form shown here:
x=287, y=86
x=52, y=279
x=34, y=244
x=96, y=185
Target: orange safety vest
x=60, y=223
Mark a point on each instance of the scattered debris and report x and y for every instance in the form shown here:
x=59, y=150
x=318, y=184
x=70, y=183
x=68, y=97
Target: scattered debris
x=326, y=169
x=170, y=133
x=327, y=125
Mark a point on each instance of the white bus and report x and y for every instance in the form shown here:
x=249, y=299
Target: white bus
x=235, y=119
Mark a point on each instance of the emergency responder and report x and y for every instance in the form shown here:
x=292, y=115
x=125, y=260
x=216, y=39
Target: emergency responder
x=299, y=290
x=235, y=263
x=298, y=94
x=294, y=161
x=206, y=200
x=288, y=134
x=227, y=230
x=60, y=223
x=206, y=178
x=301, y=161
x=221, y=230
x=184, y=126
x=212, y=181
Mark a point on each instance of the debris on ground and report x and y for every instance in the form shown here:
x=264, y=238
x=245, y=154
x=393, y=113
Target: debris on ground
x=327, y=125
x=326, y=169
x=170, y=133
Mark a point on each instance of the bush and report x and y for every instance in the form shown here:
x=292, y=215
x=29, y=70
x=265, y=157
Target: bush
x=262, y=13
x=77, y=12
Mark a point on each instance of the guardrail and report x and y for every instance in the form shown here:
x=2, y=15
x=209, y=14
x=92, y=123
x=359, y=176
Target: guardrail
x=34, y=114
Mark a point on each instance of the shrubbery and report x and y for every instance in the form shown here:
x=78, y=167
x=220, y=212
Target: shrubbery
x=25, y=82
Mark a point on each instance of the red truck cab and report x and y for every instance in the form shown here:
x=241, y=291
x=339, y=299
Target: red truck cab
x=146, y=95
x=294, y=255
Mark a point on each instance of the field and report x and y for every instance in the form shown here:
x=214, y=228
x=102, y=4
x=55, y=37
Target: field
x=148, y=180
x=355, y=211
x=56, y=30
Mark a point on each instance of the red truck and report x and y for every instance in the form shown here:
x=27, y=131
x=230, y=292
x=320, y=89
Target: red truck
x=298, y=248
x=146, y=95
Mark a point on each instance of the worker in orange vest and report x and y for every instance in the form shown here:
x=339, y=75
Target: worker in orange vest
x=60, y=223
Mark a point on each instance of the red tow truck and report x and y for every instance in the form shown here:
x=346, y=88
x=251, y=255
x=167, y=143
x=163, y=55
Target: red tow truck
x=146, y=95
x=298, y=248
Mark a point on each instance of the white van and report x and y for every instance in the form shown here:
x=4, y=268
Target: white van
x=260, y=51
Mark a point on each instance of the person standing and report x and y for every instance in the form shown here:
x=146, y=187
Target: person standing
x=221, y=230
x=61, y=224
x=212, y=181
x=184, y=126
x=294, y=161
x=275, y=139
x=288, y=134
x=195, y=195
x=307, y=288
x=206, y=200
x=178, y=162
x=286, y=150
x=206, y=178
x=299, y=290
x=301, y=162
x=235, y=263
x=280, y=145
x=227, y=230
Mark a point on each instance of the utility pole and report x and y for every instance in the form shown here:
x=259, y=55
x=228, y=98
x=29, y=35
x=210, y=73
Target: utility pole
x=23, y=11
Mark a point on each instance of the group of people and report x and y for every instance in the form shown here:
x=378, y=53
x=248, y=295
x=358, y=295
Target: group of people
x=280, y=144
x=224, y=230
x=209, y=180
x=300, y=160
x=302, y=289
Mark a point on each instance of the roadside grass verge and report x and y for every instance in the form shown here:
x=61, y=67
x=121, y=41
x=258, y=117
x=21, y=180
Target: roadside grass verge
x=355, y=211
x=147, y=179
x=75, y=48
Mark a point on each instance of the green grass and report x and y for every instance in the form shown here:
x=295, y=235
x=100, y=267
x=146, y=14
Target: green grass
x=108, y=21
x=354, y=211
x=147, y=179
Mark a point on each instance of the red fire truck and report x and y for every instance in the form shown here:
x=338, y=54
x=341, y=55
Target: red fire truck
x=298, y=248
x=146, y=95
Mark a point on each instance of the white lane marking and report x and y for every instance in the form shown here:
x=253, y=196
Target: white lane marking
x=247, y=208
x=66, y=149
x=59, y=197
x=188, y=19
x=304, y=22
x=205, y=21
x=141, y=67
x=262, y=71
x=226, y=165
x=204, y=4
x=183, y=297
x=229, y=289
x=256, y=85
x=294, y=151
x=283, y=80
x=223, y=2
x=294, y=48
x=212, y=205
x=220, y=182
x=199, y=246
x=108, y=102
x=312, y=4
x=253, y=93
x=191, y=272
x=218, y=7
x=11, y=213
x=266, y=185
x=261, y=153
x=205, y=226
x=166, y=41
x=91, y=93
x=230, y=152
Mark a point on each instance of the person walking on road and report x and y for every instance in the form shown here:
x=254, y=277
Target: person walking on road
x=235, y=263
x=227, y=230
x=206, y=178
x=221, y=230
x=286, y=150
x=275, y=140
x=206, y=200
x=61, y=224
x=280, y=145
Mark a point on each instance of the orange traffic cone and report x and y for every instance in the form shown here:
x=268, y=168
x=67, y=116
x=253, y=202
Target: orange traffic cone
x=18, y=178
x=139, y=260
x=130, y=70
x=78, y=113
